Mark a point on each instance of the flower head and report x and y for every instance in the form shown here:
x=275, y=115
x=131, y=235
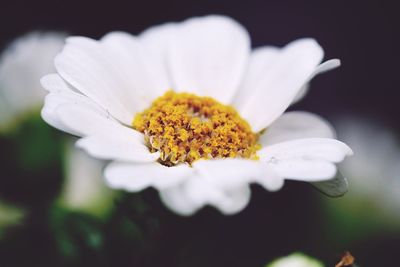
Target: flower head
x=184, y=128
x=190, y=109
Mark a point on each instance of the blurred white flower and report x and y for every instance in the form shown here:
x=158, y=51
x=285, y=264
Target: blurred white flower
x=10, y=215
x=198, y=144
x=295, y=260
x=22, y=64
x=374, y=171
x=84, y=189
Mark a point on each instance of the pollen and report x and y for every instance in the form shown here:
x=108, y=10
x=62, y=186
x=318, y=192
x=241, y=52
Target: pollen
x=185, y=127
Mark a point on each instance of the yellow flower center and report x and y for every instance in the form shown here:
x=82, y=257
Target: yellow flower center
x=184, y=127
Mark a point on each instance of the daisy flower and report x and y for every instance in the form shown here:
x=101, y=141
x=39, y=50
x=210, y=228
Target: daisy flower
x=296, y=260
x=22, y=64
x=189, y=109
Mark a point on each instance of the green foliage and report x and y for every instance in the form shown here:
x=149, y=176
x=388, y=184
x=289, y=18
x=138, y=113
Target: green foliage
x=79, y=237
x=37, y=144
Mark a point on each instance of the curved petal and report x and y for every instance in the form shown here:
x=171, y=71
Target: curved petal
x=62, y=94
x=90, y=68
x=232, y=201
x=232, y=173
x=228, y=200
x=208, y=56
x=117, y=146
x=195, y=193
x=304, y=169
x=327, y=66
x=324, y=67
x=296, y=125
x=261, y=61
x=80, y=114
x=302, y=93
x=53, y=83
x=51, y=103
x=176, y=199
x=156, y=40
x=310, y=159
x=223, y=184
x=270, y=95
x=136, y=177
x=106, y=139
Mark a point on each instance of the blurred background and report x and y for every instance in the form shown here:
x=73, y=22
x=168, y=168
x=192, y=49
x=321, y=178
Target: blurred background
x=46, y=221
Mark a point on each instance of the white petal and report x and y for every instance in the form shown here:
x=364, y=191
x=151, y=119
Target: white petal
x=114, y=146
x=85, y=117
x=327, y=66
x=305, y=169
x=156, y=39
x=223, y=184
x=136, y=177
x=53, y=83
x=89, y=67
x=296, y=125
x=309, y=159
x=208, y=57
x=143, y=68
x=270, y=95
x=324, y=67
x=323, y=148
x=232, y=201
x=231, y=173
x=51, y=103
x=77, y=114
x=301, y=94
x=228, y=200
x=195, y=193
x=106, y=139
x=61, y=94
x=261, y=61
x=176, y=199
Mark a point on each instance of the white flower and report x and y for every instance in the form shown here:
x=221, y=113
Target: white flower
x=22, y=64
x=84, y=189
x=375, y=170
x=296, y=260
x=116, y=94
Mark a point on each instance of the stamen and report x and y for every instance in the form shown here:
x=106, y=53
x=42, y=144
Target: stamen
x=184, y=127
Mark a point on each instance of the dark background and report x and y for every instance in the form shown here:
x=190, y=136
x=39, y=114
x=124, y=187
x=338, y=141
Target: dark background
x=363, y=34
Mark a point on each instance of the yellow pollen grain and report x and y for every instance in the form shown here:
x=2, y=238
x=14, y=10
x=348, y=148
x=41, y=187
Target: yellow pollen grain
x=184, y=127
